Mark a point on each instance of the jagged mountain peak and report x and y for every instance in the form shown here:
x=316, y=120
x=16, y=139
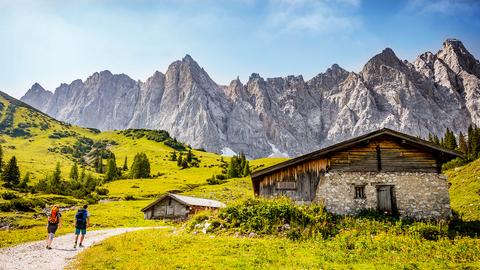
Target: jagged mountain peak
x=434, y=92
x=37, y=88
x=387, y=57
x=255, y=76
x=458, y=58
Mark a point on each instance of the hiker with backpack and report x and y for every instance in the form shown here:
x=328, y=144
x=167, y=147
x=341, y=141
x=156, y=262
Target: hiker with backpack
x=54, y=222
x=82, y=221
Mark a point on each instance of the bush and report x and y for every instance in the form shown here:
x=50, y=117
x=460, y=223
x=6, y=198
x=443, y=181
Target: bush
x=429, y=231
x=454, y=163
x=102, y=191
x=9, y=195
x=277, y=217
x=21, y=204
x=129, y=197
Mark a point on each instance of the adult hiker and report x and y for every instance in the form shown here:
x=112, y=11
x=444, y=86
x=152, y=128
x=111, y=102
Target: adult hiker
x=82, y=221
x=54, y=222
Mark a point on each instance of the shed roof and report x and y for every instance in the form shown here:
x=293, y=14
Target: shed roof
x=414, y=141
x=186, y=200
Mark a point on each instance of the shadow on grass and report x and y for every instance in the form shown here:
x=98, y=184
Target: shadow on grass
x=459, y=227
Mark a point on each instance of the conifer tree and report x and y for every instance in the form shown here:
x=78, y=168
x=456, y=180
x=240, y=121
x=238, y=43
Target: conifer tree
x=74, y=172
x=100, y=165
x=11, y=173
x=1, y=159
x=125, y=165
x=25, y=180
x=173, y=156
x=82, y=174
x=111, y=170
x=246, y=169
x=140, y=167
x=189, y=156
x=462, y=144
x=184, y=163
x=56, y=177
x=450, y=141
x=179, y=160
x=436, y=140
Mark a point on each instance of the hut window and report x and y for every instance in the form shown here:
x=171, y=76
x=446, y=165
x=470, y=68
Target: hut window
x=286, y=185
x=360, y=192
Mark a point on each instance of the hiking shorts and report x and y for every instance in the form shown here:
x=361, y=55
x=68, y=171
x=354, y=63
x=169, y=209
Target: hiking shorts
x=80, y=230
x=52, y=228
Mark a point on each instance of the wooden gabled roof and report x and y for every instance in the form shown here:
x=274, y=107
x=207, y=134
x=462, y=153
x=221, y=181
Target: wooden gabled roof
x=442, y=152
x=186, y=200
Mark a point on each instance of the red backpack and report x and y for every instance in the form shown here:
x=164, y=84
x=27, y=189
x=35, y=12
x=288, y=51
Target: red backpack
x=53, y=218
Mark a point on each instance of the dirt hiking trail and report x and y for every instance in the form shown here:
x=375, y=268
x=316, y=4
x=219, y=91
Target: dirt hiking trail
x=35, y=256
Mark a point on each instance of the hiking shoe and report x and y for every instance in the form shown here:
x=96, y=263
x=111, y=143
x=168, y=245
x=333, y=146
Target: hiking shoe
x=80, y=245
x=49, y=247
x=75, y=245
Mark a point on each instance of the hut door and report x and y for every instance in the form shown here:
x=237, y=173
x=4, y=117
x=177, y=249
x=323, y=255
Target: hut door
x=384, y=199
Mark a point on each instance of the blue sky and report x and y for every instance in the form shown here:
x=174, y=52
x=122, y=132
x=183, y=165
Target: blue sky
x=52, y=42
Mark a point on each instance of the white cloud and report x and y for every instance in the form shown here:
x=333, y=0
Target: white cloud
x=446, y=7
x=315, y=16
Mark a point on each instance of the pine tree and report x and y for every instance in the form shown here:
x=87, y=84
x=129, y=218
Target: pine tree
x=179, y=160
x=56, y=177
x=184, y=164
x=82, y=175
x=25, y=180
x=436, y=140
x=430, y=137
x=472, y=141
x=1, y=158
x=111, y=170
x=189, y=156
x=125, y=166
x=11, y=173
x=450, y=141
x=74, y=172
x=462, y=144
x=173, y=156
x=140, y=167
x=246, y=169
x=100, y=165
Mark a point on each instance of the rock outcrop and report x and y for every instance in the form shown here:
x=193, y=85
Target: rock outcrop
x=279, y=115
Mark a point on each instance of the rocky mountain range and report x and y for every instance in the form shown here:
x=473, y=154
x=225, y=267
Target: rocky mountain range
x=286, y=115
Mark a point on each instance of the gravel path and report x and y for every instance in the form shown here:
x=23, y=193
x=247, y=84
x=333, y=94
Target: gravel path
x=35, y=256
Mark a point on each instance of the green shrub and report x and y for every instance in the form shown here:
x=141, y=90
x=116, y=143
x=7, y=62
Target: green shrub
x=454, y=163
x=102, y=191
x=129, y=197
x=21, y=204
x=8, y=195
x=428, y=231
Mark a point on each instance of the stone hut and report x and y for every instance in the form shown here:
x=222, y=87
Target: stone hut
x=386, y=170
x=174, y=206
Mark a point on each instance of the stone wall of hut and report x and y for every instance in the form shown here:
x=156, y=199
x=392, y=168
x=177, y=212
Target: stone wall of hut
x=416, y=195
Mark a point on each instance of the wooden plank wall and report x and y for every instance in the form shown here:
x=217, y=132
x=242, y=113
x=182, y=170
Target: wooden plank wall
x=305, y=175
x=164, y=209
x=395, y=156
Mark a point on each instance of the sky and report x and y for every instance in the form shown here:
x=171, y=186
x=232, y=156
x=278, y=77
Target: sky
x=53, y=42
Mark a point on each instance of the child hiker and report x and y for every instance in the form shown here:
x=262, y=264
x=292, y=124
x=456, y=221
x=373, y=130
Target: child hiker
x=82, y=221
x=54, y=222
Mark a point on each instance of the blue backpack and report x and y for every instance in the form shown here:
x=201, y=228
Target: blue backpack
x=81, y=218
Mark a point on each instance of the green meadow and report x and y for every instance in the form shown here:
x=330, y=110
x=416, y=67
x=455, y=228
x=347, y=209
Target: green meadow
x=39, y=142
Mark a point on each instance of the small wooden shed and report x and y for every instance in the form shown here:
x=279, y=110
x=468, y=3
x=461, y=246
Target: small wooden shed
x=174, y=206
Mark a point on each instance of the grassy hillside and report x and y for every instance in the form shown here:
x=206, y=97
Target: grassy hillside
x=39, y=142
x=465, y=190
